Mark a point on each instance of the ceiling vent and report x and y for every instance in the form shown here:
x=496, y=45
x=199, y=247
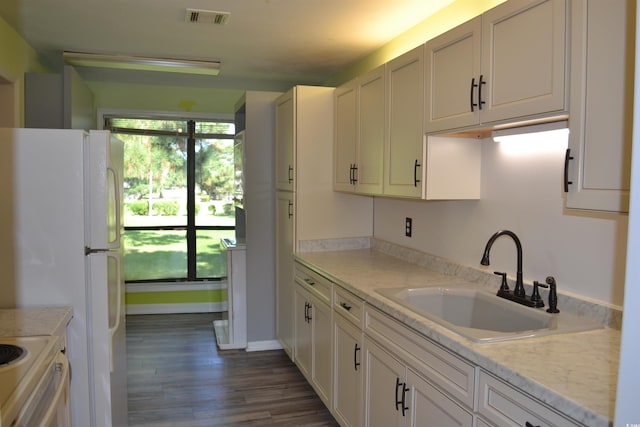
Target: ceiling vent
x=199, y=16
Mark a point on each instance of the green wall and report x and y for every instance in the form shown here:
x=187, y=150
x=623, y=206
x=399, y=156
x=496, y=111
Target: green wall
x=451, y=16
x=176, y=297
x=124, y=96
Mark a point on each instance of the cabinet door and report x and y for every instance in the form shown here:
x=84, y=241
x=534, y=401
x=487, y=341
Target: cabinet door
x=347, y=391
x=384, y=387
x=452, y=71
x=302, y=329
x=523, y=59
x=284, y=269
x=346, y=136
x=601, y=121
x=404, y=132
x=430, y=407
x=506, y=406
x=371, y=118
x=285, y=140
x=322, y=349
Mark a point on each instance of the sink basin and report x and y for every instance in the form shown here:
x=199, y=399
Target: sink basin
x=482, y=316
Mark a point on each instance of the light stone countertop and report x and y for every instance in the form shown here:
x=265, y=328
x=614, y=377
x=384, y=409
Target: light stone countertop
x=574, y=373
x=34, y=321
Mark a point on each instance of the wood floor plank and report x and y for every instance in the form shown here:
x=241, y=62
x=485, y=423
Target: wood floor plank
x=178, y=378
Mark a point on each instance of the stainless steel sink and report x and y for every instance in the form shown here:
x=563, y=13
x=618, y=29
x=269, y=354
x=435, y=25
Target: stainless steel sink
x=482, y=316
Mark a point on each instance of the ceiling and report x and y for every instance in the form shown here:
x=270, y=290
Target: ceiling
x=263, y=44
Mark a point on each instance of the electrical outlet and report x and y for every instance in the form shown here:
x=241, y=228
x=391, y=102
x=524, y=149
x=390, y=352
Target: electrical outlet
x=408, y=225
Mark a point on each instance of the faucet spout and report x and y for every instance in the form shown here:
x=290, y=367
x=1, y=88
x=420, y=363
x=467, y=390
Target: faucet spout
x=519, y=289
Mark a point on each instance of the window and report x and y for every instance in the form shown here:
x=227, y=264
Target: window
x=178, y=179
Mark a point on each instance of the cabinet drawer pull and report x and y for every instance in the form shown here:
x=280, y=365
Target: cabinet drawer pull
x=416, y=181
x=356, y=349
x=290, y=174
x=345, y=306
x=473, y=86
x=309, y=282
x=528, y=424
x=481, y=83
x=567, y=157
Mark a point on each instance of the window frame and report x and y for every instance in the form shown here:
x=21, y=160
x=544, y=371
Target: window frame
x=191, y=137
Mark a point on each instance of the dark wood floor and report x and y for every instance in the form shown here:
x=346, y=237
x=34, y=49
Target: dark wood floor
x=177, y=377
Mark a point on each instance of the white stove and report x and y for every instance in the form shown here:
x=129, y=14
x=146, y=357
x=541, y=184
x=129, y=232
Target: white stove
x=25, y=379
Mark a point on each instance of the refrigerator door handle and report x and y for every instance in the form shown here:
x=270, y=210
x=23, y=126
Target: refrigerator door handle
x=116, y=326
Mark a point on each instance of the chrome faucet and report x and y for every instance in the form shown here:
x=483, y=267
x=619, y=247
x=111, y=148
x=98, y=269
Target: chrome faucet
x=519, y=294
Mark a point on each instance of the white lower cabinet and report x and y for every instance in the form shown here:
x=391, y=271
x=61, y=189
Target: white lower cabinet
x=384, y=387
x=302, y=330
x=284, y=269
x=504, y=405
x=410, y=381
x=431, y=407
x=371, y=370
x=396, y=395
x=313, y=350
x=347, y=366
x=347, y=358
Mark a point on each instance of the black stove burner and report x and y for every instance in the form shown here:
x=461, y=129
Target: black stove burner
x=10, y=353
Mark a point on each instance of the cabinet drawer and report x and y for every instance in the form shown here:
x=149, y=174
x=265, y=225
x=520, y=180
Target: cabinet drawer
x=349, y=305
x=504, y=405
x=314, y=282
x=452, y=374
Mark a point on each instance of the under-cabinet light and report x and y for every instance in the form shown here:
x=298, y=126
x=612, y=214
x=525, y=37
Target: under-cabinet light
x=537, y=140
x=527, y=132
x=124, y=62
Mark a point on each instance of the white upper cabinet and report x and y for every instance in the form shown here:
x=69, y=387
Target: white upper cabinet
x=598, y=165
x=371, y=114
x=359, y=138
x=452, y=72
x=509, y=64
x=346, y=135
x=285, y=140
x=404, y=132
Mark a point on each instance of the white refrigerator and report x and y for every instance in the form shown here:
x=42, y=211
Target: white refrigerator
x=61, y=193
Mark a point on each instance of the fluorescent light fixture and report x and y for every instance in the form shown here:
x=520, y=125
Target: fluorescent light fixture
x=140, y=63
x=527, y=132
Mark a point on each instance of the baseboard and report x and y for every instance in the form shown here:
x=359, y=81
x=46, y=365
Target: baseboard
x=200, y=307
x=264, y=345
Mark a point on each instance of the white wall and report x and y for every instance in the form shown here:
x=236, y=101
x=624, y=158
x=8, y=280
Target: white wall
x=627, y=409
x=521, y=192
